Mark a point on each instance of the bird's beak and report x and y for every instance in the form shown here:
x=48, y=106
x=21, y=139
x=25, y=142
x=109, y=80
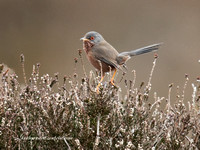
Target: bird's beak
x=84, y=39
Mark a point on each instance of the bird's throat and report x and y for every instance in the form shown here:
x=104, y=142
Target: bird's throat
x=87, y=46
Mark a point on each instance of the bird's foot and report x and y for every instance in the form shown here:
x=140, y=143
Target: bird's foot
x=97, y=90
x=113, y=84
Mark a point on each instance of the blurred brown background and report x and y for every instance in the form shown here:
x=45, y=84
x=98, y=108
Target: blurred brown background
x=48, y=31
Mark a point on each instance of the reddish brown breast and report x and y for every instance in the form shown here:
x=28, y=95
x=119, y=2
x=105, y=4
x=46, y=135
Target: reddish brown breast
x=96, y=63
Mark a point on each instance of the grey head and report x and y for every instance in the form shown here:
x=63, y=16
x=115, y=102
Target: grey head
x=93, y=37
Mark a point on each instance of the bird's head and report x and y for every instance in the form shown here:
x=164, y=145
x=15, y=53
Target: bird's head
x=91, y=39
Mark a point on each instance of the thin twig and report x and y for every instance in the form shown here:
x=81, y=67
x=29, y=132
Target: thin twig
x=97, y=136
x=185, y=85
x=22, y=60
x=123, y=74
x=169, y=100
x=194, y=96
x=153, y=67
x=134, y=78
x=101, y=68
x=191, y=141
x=69, y=148
x=148, y=87
x=88, y=125
x=157, y=101
x=82, y=63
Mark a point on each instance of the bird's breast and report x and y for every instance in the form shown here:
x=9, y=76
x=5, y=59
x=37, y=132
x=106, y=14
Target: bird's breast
x=93, y=60
x=98, y=64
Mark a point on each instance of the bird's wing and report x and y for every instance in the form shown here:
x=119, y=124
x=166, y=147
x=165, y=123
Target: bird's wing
x=107, y=54
x=109, y=62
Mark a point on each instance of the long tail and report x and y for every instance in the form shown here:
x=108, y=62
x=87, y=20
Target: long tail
x=142, y=50
x=124, y=56
x=146, y=49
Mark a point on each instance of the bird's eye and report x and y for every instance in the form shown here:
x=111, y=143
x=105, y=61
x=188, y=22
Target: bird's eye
x=91, y=38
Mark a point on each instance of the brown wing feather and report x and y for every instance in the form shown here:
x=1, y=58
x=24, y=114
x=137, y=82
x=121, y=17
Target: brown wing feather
x=107, y=54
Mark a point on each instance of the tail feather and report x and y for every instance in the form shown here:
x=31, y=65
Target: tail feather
x=124, y=56
x=146, y=49
x=142, y=50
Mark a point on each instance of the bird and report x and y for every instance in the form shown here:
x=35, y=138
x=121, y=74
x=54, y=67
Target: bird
x=104, y=57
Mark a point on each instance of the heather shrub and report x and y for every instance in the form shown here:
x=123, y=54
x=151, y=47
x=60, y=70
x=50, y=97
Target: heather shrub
x=48, y=113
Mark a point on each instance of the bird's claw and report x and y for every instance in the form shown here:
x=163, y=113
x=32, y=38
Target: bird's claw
x=111, y=82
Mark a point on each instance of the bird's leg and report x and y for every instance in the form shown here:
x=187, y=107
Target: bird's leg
x=97, y=88
x=111, y=81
